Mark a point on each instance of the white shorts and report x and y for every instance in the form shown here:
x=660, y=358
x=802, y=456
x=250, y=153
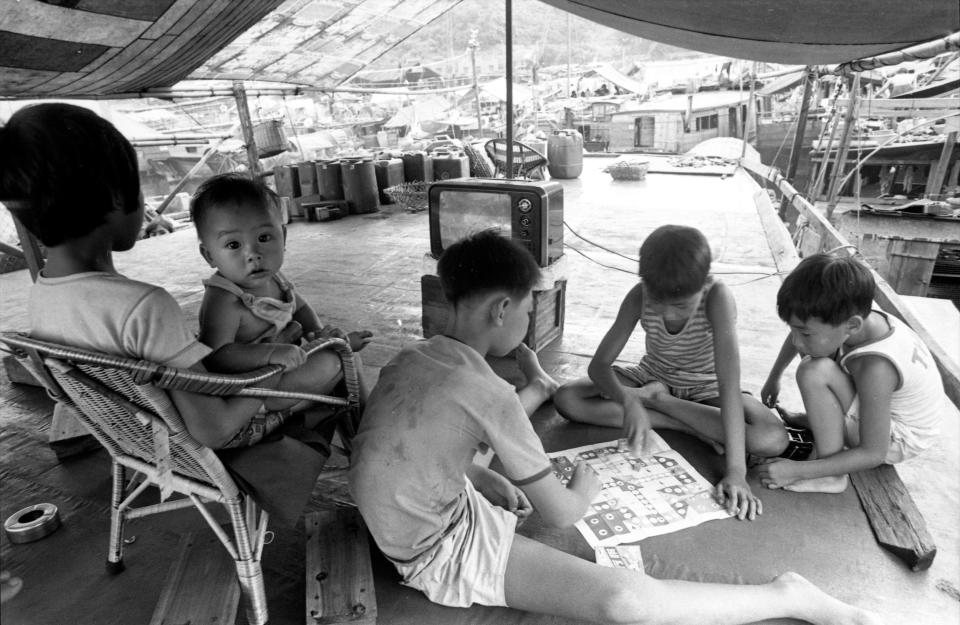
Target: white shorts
x=467, y=566
x=904, y=443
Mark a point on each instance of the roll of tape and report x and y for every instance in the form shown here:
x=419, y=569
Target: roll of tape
x=32, y=523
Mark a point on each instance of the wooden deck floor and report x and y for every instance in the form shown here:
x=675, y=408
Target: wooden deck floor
x=363, y=272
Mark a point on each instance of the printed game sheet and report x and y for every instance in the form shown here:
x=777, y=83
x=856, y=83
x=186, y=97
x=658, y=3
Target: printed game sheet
x=641, y=496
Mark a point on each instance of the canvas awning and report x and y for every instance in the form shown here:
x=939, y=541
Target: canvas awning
x=111, y=47
x=104, y=48
x=811, y=32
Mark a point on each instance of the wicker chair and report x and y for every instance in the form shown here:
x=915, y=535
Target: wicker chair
x=527, y=162
x=125, y=405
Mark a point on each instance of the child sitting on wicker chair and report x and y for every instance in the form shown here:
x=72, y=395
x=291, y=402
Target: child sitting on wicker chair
x=251, y=314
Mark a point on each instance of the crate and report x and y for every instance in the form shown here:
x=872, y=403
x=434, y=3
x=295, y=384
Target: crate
x=546, y=318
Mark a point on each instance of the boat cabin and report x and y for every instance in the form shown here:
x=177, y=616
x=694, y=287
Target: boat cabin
x=677, y=123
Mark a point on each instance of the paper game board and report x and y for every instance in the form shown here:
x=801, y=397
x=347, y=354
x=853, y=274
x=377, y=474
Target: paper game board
x=641, y=495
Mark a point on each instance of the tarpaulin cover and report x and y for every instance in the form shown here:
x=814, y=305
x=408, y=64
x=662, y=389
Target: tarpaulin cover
x=808, y=32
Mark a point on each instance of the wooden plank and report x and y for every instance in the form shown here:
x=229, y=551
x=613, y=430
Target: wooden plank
x=339, y=577
x=915, y=107
x=17, y=373
x=939, y=172
x=911, y=265
x=201, y=587
x=896, y=522
x=68, y=436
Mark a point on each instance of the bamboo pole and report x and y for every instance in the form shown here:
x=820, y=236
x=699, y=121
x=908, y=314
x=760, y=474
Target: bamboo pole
x=474, y=44
x=808, y=78
x=509, y=44
x=243, y=110
x=844, y=146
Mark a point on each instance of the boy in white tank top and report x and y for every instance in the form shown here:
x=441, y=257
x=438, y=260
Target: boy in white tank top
x=870, y=386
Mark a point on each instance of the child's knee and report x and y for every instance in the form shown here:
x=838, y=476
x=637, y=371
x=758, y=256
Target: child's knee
x=817, y=372
x=564, y=400
x=624, y=601
x=766, y=439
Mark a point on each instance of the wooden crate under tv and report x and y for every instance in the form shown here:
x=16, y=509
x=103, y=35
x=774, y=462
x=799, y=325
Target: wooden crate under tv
x=546, y=318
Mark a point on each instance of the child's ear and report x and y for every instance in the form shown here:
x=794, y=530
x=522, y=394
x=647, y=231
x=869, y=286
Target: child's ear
x=206, y=254
x=855, y=324
x=498, y=309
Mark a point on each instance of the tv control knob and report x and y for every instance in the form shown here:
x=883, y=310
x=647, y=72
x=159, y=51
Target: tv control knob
x=524, y=205
x=524, y=234
x=525, y=222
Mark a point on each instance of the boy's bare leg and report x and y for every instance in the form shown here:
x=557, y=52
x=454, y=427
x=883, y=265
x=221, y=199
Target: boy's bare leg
x=540, y=386
x=608, y=595
x=827, y=394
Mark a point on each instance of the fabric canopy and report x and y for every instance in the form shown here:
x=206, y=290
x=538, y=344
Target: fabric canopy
x=103, y=47
x=109, y=47
x=808, y=32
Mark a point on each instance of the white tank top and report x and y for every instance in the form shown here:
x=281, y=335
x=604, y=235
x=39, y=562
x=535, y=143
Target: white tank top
x=919, y=401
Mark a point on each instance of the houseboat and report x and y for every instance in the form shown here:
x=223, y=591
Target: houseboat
x=676, y=123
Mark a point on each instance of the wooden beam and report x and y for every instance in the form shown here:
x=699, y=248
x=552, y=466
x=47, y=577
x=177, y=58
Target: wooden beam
x=339, y=577
x=939, y=172
x=835, y=183
x=243, y=111
x=894, y=518
x=797, y=146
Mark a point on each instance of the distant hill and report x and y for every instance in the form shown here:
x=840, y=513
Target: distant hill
x=540, y=34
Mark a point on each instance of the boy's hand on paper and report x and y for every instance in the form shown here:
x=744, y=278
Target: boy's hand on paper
x=358, y=340
x=734, y=493
x=289, y=356
x=584, y=481
x=636, y=424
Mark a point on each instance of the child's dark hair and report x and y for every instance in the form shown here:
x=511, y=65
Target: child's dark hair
x=483, y=262
x=63, y=169
x=831, y=288
x=230, y=189
x=674, y=261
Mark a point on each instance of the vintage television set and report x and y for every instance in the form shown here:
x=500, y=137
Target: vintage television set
x=528, y=211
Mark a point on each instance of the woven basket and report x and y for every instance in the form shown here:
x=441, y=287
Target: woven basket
x=411, y=196
x=628, y=170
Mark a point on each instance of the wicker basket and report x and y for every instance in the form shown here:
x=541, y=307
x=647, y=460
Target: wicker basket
x=411, y=196
x=628, y=170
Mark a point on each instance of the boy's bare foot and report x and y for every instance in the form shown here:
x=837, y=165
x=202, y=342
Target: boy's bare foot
x=829, y=484
x=531, y=369
x=653, y=390
x=819, y=607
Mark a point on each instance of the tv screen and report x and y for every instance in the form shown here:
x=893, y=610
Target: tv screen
x=464, y=212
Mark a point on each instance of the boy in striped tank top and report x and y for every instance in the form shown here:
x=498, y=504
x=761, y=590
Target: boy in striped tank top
x=689, y=321
x=870, y=386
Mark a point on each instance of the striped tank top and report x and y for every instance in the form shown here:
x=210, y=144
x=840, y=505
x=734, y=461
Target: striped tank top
x=683, y=359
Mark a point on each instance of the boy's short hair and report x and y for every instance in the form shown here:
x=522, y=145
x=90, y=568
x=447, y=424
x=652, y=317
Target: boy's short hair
x=830, y=288
x=230, y=188
x=674, y=261
x=63, y=169
x=485, y=262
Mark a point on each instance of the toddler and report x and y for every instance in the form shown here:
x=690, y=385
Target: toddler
x=251, y=315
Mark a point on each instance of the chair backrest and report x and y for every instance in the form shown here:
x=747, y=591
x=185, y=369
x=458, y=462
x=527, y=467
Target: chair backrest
x=122, y=413
x=525, y=159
